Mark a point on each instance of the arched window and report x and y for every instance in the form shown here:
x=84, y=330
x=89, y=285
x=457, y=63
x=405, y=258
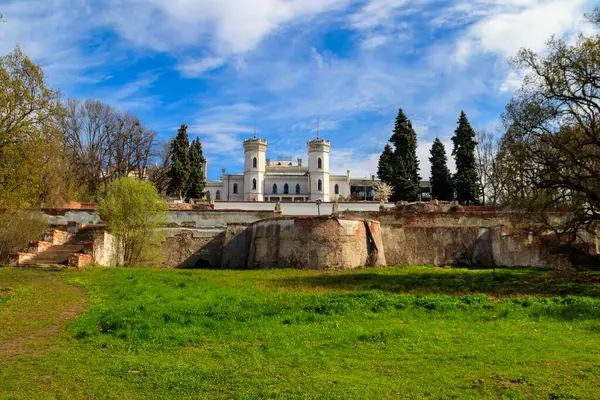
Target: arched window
x=253, y=184
x=297, y=188
x=337, y=189
x=274, y=188
x=254, y=162
x=319, y=163
x=235, y=188
x=286, y=189
x=218, y=196
x=319, y=185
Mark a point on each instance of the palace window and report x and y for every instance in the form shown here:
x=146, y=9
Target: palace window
x=254, y=162
x=319, y=185
x=337, y=189
x=218, y=196
x=235, y=188
x=286, y=189
x=253, y=184
x=297, y=188
x=274, y=188
x=319, y=164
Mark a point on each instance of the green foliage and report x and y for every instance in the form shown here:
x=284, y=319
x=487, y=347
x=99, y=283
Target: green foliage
x=466, y=181
x=441, y=179
x=29, y=131
x=179, y=170
x=197, y=165
x=385, y=168
x=17, y=229
x=398, y=164
x=133, y=210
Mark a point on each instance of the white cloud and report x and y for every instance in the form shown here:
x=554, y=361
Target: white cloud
x=511, y=25
x=375, y=41
x=230, y=26
x=512, y=82
x=195, y=68
x=360, y=165
x=376, y=13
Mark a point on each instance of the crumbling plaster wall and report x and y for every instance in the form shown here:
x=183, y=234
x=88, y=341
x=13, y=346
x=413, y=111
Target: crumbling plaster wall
x=192, y=248
x=316, y=243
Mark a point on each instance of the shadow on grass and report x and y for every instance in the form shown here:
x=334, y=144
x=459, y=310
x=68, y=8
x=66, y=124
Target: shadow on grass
x=502, y=282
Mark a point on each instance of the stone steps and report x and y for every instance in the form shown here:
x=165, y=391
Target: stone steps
x=60, y=254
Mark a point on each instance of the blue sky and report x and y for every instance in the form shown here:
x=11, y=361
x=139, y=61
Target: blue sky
x=217, y=65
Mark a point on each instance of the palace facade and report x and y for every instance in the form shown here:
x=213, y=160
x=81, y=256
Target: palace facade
x=281, y=180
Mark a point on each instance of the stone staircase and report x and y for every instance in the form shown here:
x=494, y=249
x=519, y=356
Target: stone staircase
x=74, y=251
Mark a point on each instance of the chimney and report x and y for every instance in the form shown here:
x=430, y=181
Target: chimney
x=205, y=170
x=268, y=161
x=223, y=172
x=299, y=162
x=372, y=177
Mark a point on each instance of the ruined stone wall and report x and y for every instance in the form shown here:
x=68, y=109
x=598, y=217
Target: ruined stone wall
x=236, y=246
x=192, y=248
x=469, y=245
x=106, y=250
x=176, y=218
x=316, y=243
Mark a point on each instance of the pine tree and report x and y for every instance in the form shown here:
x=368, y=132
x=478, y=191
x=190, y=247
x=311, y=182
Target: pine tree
x=400, y=168
x=441, y=180
x=385, y=168
x=180, y=164
x=465, y=179
x=196, y=179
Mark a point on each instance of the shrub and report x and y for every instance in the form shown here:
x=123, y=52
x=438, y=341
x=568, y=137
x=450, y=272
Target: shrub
x=133, y=210
x=17, y=229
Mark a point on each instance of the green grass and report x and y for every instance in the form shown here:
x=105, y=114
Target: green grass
x=405, y=332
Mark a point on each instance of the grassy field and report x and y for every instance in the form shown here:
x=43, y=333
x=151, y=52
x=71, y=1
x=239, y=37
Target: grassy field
x=405, y=332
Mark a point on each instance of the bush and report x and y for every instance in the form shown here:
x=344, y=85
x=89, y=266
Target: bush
x=17, y=229
x=133, y=210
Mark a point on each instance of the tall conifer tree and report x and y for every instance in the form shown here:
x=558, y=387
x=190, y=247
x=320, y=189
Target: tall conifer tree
x=441, y=180
x=180, y=164
x=196, y=179
x=400, y=167
x=385, y=168
x=465, y=180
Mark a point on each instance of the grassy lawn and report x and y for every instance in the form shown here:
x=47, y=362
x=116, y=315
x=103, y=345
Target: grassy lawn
x=405, y=332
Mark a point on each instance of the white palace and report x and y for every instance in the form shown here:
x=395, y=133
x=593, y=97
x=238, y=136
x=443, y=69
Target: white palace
x=281, y=180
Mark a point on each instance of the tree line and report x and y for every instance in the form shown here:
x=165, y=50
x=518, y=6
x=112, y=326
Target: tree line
x=54, y=150
x=399, y=167
x=546, y=159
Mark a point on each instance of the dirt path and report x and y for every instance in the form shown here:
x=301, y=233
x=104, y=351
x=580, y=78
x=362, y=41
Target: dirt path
x=38, y=341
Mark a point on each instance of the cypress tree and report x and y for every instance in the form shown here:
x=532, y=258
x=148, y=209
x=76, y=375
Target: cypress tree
x=180, y=164
x=403, y=175
x=196, y=178
x=441, y=180
x=465, y=179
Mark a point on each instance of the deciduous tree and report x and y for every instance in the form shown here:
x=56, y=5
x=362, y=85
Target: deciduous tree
x=133, y=210
x=553, y=127
x=29, y=115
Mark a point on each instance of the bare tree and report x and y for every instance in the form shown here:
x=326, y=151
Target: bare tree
x=158, y=174
x=553, y=132
x=484, y=155
x=104, y=144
